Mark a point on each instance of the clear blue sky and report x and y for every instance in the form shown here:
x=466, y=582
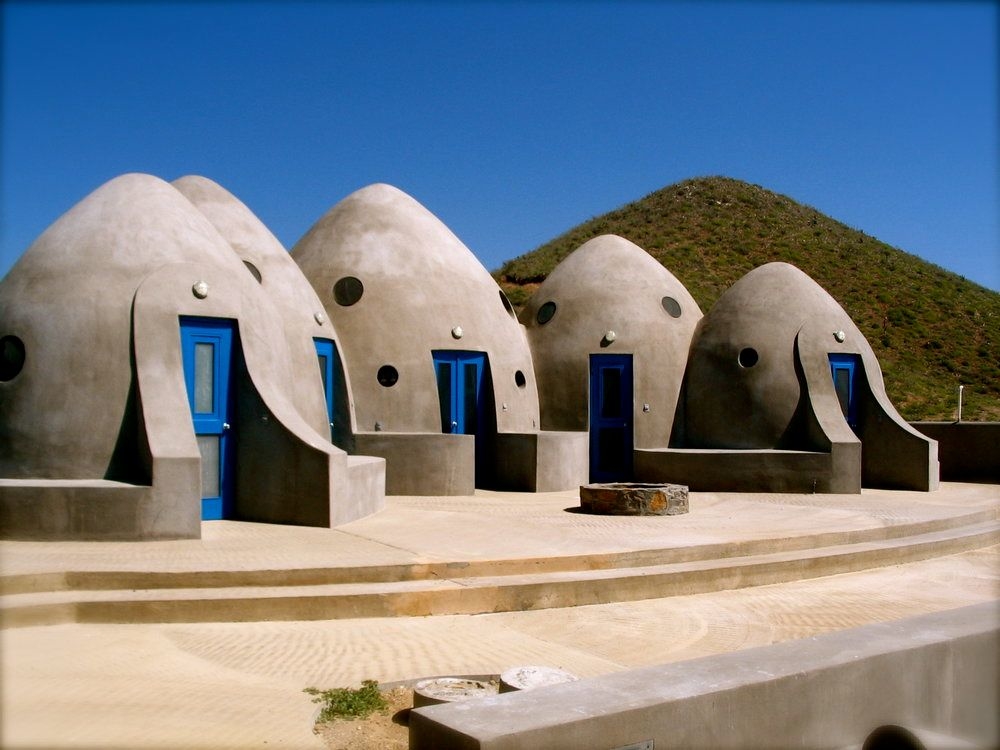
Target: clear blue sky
x=513, y=122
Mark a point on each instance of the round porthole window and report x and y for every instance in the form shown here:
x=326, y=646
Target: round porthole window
x=545, y=312
x=519, y=380
x=507, y=305
x=672, y=307
x=253, y=270
x=11, y=357
x=387, y=376
x=748, y=357
x=348, y=290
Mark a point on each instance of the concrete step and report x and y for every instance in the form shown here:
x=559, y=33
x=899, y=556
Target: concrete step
x=490, y=587
x=83, y=580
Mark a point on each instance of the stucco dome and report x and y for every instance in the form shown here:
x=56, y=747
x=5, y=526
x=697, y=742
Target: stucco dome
x=397, y=284
x=69, y=301
x=744, y=383
x=610, y=284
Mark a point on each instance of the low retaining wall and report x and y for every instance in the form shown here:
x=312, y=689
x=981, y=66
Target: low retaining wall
x=967, y=451
x=541, y=461
x=423, y=463
x=938, y=672
x=91, y=509
x=718, y=470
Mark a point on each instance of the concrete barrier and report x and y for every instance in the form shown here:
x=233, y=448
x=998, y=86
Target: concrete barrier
x=937, y=672
x=968, y=451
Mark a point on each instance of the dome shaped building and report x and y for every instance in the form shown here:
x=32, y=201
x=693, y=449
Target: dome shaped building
x=148, y=373
x=609, y=330
x=783, y=393
x=442, y=379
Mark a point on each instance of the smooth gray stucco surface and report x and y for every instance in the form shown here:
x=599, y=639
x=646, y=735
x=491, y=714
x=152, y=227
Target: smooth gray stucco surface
x=939, y=672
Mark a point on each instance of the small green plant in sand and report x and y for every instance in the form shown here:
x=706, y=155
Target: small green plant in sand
x=348, y=703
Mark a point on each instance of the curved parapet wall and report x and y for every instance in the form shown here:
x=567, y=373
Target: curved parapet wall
x=270, y=265
x=100, y=404
x=610, y=284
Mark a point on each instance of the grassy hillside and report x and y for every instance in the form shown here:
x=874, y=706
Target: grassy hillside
x=931, y=329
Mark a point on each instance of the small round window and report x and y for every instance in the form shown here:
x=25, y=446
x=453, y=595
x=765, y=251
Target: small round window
x=672, y=307
x=387, y=376
x=11, y=357
x=519, y=380
x=748, y=357
x=507, y=305
x=253, y=270
x=545, y=312
x=348, y=290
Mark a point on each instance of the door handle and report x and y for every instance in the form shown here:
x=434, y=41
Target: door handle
x=225, y=425
x=454, y=426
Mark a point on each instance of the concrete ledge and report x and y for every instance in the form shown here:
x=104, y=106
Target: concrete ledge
x=967, y=451
x=366, y=490
x=423, y=463
x=714, y=470
x=542, y=461
x=76, y=509
x=939, y=672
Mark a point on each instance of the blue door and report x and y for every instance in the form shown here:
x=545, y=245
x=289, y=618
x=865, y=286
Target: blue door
x=207, y=347
x=844, y=368
x=610, y=417
x=460, y=392
x=326, y=352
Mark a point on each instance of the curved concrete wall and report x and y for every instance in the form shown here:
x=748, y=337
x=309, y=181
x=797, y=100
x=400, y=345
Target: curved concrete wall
x=611, y=284
x=280, y=280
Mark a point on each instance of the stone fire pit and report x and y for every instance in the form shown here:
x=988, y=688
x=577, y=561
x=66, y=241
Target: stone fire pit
x=634, y=499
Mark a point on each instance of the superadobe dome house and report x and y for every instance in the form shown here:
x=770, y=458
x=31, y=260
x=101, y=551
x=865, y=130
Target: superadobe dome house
x=442, y=378
x=610, y=330
x=783, y=393
x=165, y=361
x=151, y=379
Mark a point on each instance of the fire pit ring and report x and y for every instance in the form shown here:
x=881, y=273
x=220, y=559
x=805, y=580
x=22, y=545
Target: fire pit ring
x=634, y=499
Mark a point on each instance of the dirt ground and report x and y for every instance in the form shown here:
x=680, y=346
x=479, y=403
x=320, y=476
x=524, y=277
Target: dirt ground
x=383, y=730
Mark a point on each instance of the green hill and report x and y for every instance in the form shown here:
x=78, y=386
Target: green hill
x=931, y=329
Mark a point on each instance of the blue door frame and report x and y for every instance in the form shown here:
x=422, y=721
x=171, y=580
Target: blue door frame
x=460, y=390
x=611, y=437
x=326, y=353
x=844, y=368
x=207, y=349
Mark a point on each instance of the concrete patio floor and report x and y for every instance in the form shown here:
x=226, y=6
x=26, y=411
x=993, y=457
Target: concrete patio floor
x=222, y=684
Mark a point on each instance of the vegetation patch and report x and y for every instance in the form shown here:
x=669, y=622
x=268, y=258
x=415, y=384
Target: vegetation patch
x=348, y=703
